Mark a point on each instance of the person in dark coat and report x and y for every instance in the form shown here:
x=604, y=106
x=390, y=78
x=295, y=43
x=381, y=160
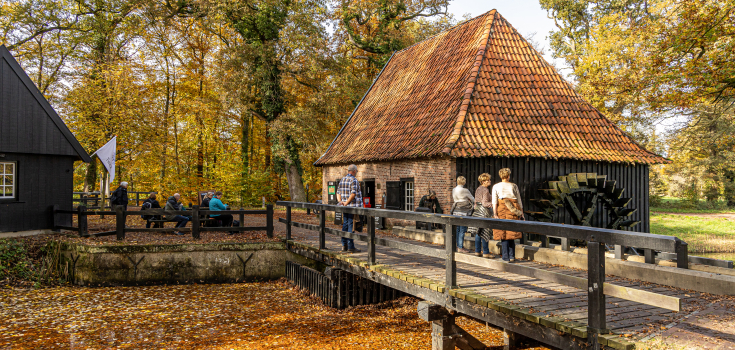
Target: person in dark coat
x=173, y=204
x=120, y=196
x=207, y=198
x=430, y=201
x=151, y=203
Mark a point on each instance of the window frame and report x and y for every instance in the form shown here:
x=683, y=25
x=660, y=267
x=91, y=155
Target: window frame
x=14, y=176
x=409, y=201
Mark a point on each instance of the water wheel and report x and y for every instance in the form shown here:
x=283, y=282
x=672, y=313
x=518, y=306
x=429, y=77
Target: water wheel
x=580, y=194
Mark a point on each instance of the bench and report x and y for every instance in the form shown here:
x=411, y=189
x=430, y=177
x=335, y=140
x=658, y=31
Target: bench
x=202, y=221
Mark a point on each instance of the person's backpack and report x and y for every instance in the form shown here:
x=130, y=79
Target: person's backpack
x=114, y=197
x=146, y=205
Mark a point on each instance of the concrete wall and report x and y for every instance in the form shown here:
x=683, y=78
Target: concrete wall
x=185, y=263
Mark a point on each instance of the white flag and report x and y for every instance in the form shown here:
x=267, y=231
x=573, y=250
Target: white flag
x=106, y=154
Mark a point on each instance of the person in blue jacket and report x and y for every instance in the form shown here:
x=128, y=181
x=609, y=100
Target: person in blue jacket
x=216, y=205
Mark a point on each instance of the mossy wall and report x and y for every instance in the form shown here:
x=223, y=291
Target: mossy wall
x=181, y=263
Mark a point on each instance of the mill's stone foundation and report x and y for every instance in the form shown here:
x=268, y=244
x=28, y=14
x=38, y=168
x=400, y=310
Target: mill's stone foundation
x=177, y=263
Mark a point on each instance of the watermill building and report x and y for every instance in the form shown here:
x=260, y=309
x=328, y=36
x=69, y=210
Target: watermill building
x=478, y=98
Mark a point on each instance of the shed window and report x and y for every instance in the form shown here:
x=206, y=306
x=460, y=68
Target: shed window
x=409, y=195
x=7, y=179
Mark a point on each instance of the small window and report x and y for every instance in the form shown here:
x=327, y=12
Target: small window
x=409, y=196
x=7, y=180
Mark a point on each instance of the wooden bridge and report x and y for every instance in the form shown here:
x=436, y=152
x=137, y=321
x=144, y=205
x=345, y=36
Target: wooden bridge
x=563, y=308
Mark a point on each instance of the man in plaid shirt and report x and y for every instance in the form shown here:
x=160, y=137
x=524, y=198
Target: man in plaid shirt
x=349, y=194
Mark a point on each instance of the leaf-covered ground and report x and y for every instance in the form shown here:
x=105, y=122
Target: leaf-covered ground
x=269, y=315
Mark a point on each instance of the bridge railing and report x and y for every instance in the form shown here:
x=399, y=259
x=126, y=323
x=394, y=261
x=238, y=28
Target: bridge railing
x=596, y=239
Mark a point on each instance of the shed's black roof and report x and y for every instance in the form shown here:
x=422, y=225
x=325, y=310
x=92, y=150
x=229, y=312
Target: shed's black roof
x=22, y=126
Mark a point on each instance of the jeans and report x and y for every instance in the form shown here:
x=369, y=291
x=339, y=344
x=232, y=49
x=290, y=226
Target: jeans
x=347, y=225
x=225, y=218
x=509, y=249
x=481, y=242
x=460, y=236
x=182, y=220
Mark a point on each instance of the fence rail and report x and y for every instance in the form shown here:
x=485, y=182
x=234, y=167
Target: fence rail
x=86, y=197
x=195, y=214
x=596, y=239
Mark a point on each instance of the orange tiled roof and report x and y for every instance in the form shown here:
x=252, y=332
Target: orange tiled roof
x=479, y=89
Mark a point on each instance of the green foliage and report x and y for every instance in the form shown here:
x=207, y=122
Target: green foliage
x=657, y=186
x=380, y=28
x=14, y=261
x=34, y=261
x=259, y=24
x=683, y=205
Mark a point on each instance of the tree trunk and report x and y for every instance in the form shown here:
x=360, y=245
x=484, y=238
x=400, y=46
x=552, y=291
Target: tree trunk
x=267, y=147
x=295, y=183
x=90, y=180
x=244, y=144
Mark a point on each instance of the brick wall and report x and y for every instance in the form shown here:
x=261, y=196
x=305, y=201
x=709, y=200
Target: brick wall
x=437, y=174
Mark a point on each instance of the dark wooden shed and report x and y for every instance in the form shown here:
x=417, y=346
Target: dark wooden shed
x=478, y=98
x=37, y=153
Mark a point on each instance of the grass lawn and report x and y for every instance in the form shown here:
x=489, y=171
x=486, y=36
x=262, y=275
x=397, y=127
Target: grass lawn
x=703, y=234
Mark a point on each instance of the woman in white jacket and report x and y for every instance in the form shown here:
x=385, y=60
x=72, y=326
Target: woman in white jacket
x=463, y=201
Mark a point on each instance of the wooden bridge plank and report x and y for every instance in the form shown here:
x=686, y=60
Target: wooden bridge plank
x=516, y=294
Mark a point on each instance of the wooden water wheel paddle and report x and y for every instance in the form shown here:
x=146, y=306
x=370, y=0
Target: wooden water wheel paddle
x=580, y=194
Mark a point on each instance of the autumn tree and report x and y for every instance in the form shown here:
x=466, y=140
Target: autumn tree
x=379, y=28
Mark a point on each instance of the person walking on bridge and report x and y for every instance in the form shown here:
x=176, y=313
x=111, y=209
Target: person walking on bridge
x=507, y=205
x=462, y=206
x=349, y=194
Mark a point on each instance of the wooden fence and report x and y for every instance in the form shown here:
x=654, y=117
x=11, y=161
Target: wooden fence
x=195, y=214
x=596, y=239
x=84, y=198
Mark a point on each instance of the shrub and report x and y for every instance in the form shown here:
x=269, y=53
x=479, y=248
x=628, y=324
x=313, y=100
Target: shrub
x=33, y=260
x=14, y=261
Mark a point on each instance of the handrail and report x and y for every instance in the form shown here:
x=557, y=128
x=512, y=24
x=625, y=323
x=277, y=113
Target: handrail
x=595, y=237
x=608, y=236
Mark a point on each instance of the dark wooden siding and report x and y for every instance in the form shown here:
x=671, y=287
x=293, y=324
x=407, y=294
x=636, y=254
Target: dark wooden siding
x=42, y=181
x=531, y=173
x=25, y=126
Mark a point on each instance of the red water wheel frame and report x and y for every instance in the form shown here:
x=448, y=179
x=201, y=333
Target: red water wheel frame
x=595, y=189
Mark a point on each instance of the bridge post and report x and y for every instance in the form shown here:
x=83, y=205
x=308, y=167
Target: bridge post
x=595, y=295
x=82, y=221
x=682, y=255
x=195, y=222
x=288, y=223
x=451, y=264
x=512, y=340
x=649, y=256
x=619, y=251
x=269, y=220
x=565, y=244
x=442, y=323
x=371, y=240
x=322, y=223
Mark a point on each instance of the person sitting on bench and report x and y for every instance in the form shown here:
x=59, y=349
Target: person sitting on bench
x=216, y=205
x=207, y=199
x=173, y=205
x=151, y=203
